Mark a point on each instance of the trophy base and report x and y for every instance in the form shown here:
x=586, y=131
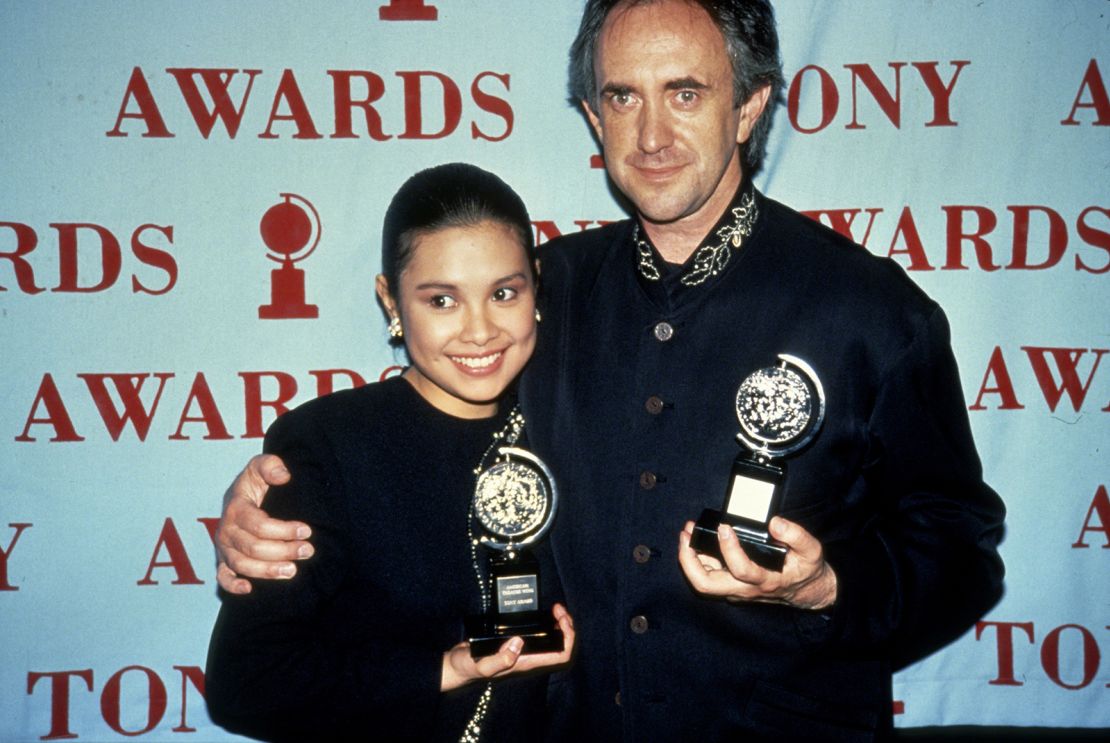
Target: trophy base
x=288, y=312
x=763, y=551
x=488, y=632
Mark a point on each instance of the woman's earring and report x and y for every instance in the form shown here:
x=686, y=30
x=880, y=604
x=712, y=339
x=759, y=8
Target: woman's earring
x=395, y=330
x=538, y=315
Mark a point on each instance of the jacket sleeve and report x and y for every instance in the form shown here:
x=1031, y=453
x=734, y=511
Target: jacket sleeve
x=925, y=567
x=277, y=669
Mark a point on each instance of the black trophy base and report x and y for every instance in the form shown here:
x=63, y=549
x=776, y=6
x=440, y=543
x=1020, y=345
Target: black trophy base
x=764, y=551
x=488, y=632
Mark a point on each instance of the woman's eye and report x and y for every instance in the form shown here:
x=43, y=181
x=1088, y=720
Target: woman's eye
x=504, y=294
x=443, y=301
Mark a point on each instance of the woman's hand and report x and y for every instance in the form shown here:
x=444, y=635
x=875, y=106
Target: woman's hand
x=459, y=669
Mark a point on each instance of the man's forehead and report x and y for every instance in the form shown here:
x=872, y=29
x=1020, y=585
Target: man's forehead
x=672, y=37
x=682, y=19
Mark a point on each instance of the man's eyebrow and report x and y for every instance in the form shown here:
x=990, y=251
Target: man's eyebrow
x=685, y=83
x=616, y=89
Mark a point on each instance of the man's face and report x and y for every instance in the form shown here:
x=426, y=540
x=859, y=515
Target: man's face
x=665, y=113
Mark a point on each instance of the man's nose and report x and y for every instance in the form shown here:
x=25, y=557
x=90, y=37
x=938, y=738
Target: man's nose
x=655, y=132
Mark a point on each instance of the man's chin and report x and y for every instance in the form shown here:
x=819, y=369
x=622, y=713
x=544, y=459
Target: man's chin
x=658, y=203
x=661, y=214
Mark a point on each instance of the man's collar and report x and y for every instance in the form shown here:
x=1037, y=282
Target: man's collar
x=713, y=254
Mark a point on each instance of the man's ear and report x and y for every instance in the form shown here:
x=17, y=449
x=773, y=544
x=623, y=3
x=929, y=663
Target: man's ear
x=750, y=112
x=594, y=119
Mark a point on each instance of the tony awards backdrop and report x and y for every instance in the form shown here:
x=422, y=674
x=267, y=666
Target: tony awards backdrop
x=191, y=204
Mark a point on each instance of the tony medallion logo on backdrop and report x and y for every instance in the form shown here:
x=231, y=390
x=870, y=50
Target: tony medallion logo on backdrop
x=291, y=230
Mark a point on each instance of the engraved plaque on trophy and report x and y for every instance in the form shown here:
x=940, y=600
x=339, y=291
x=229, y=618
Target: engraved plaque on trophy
x=514, y=506
x=780, y=409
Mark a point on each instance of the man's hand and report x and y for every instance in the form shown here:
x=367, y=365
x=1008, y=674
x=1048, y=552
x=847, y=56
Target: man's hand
x=459, y=669
x=248, y=542
x=806, y=580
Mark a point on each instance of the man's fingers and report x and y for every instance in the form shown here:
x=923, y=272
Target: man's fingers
x=687, y=558
x=243, y=515
x=268, y=469
x=249, y=543
x=795, y=536
x=231, y=582
x=249, y=567
x=693, y=566
x=710, y=577
x=806, y=581
x=252, y=484
x=263, y=527
x=737, y=562
x=264, y=550
x=248, y=530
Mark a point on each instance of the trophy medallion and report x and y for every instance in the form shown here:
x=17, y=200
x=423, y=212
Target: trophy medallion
x=514, y=506
x=780, y=409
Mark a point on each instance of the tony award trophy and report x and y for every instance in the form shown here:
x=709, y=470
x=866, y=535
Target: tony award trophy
x=514, y=506
x=780, y=409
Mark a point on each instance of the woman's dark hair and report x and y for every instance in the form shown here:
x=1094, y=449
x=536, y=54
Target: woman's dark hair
x=450, y=195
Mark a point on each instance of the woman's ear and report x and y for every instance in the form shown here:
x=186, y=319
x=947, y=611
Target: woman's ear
x=381, y=286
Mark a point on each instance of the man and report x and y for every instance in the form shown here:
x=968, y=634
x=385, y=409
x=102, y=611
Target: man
x=650, y=326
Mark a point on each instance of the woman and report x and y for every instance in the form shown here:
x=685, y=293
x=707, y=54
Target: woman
x=363, y=642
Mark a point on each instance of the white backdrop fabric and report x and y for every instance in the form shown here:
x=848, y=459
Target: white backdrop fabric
x=967, y=138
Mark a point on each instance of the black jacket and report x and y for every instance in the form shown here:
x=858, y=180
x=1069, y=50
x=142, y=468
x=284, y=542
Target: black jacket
x=892, y=485
x=351, y=648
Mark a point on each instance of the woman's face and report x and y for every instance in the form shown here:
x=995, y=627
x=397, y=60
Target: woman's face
x=467, y=305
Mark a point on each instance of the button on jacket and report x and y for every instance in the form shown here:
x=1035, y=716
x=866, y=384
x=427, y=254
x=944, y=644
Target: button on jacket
x=630, y=399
